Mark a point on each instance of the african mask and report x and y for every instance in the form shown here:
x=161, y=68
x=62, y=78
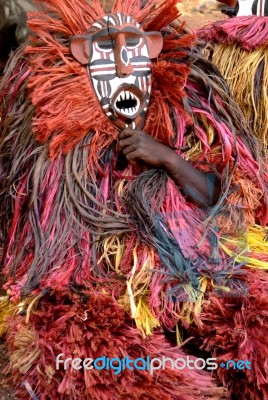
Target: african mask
x=118, y=53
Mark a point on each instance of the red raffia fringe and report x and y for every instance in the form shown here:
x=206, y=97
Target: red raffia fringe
x=236, y=328
x=92, y=325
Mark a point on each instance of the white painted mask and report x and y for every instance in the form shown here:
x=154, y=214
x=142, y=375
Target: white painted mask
x=118, y=53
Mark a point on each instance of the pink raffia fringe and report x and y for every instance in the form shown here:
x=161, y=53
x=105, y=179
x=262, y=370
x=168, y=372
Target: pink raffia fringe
x=250, y=32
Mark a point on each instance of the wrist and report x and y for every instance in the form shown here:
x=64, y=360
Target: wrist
x=170, y=162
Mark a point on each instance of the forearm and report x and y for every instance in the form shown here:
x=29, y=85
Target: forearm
x=197, y=185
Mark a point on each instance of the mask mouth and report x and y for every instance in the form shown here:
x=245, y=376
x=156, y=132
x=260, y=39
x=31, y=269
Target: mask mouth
x=127, y=101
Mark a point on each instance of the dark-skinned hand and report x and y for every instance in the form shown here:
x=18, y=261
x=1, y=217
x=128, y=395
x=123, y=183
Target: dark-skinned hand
x=138, y=145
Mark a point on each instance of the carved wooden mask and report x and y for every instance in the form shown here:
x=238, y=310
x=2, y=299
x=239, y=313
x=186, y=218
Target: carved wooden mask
x=118, y=53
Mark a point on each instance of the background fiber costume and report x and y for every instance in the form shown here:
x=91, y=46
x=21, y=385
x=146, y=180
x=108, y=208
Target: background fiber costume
x=104, y=257
x=239, y=48
x=13, y=29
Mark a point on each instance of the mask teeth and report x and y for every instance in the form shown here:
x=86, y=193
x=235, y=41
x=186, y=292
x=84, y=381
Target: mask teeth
x=126, y=95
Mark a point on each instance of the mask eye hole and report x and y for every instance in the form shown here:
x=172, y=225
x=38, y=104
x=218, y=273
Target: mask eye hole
x=133, y=42
x=106, y=45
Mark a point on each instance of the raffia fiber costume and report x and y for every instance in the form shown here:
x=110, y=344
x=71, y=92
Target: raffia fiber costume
x=102, y=257
x=239, y=48
x=12, y=26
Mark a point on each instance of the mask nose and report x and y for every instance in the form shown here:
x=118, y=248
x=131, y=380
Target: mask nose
x=123, y=65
